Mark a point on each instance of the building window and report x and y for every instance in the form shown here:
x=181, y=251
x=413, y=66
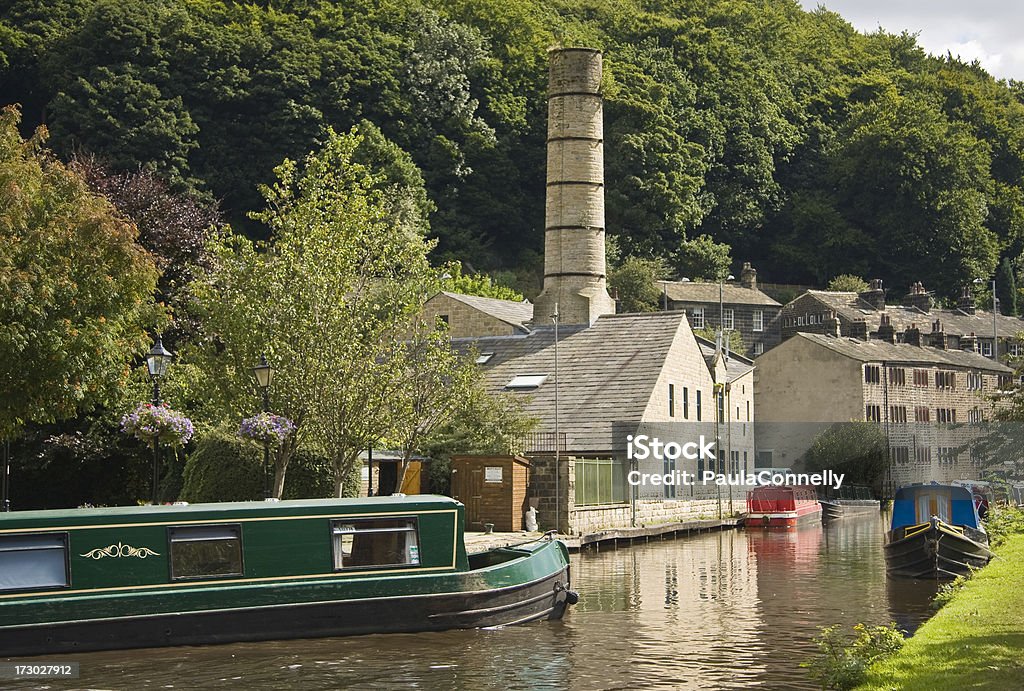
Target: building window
x=1005, y=382
x=975, y=382
x=205, y=551
x=33, y=562
x=900, y=454
x=920, y=377
x=872, y=374
x=974, y=416
x=945, y=379
x=897, y=376
x=698, y=317
x=599, y=481
x=978, y=454
x=758, y=348
x=923, y=455
x=698, y=405
x=1015, y=349
x=686, y=403
x=748, y=411
x=720, y=405
x=986, y=348
x=898, y=414
x=728, y=321
x=947, y=455
x=922, y=414
x=758, y=320
x=799, y=321
x=873, y=413
x=671, y=400
x=945, y=416
x=362, y=543
x=735, y=459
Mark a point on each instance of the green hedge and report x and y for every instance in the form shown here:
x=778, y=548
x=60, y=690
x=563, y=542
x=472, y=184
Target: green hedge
x=223, y=467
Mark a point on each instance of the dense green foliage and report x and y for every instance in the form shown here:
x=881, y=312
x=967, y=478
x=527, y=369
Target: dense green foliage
x=223, y=467
x=856, y=449
x=806, y=147
x=75, y=288
x=842, y=662
x=848, y=282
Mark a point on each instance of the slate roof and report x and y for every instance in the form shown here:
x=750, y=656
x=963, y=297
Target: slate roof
x=882, y=351
x=736, y=365
x=607, y=372
x=851, y=307
x=732, y=293
x=514, y=313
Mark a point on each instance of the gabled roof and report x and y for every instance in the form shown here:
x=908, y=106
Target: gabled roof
x=851, y=307
x=732, y=293
x=881, y=351
x=736, y=366
x=606, y=372
x=511, y=312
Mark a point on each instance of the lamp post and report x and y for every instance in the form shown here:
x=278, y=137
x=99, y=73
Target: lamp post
x=7, y=476
x=721, y=309
x=558, y=497
x=156, y=362
x=264, y=374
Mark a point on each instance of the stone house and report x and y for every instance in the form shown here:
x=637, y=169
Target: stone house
x=731, y=306
x=472, y=315
x=929, y=400
x=868, y=315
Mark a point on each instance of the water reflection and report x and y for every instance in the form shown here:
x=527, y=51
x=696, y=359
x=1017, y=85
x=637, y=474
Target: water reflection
x=719, y=610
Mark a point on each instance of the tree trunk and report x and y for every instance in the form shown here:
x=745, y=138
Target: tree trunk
x=284, y=457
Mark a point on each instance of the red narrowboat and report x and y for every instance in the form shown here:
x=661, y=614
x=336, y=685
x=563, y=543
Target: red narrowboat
x=781, y=506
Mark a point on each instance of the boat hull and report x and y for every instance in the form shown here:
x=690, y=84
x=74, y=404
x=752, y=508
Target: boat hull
x=785, y=519
x=935, y=550
x=470, y=604
x=834, y=509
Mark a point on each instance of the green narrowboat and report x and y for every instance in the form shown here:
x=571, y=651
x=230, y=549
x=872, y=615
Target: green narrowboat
x=147, y=576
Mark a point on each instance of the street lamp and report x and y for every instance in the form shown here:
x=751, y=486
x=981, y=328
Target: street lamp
x=555, y=318
x=156, y=362
x=264, y=374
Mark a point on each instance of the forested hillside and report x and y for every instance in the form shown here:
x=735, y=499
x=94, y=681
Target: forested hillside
x=809, y=148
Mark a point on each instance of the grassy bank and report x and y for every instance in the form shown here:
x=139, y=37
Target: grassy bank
x=974, y=642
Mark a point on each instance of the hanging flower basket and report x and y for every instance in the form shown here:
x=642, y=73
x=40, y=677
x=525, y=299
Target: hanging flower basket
x=150, y=421
x=266, y=428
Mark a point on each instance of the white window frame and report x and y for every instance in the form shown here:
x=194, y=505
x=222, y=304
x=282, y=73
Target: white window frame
x=728, y=318
x=758, y=320
x=698, y=317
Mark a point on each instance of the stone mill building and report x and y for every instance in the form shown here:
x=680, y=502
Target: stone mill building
x=607, y=375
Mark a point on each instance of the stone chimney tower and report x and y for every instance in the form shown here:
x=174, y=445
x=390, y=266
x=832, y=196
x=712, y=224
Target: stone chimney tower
x=574, y=264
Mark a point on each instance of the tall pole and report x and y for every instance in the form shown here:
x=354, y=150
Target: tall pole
x=558, y=467
x=7, y=476
x=267, y=492
x=156, y=445
x=995, y=332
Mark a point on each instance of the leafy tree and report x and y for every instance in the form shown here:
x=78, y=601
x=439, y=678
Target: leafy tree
x=848, y=283
x=1006, y=288
x=454, y=280
x=702, y=259
x=329, y=301
x=635, y=284
x=76, y=292
x=859, y=450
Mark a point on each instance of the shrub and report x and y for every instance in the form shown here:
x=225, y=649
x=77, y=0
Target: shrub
x=947, y=591
x=842, y=662
x=223, y=467
x=1003, y=521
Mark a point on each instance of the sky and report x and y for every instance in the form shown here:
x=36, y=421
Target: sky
x=988, y=31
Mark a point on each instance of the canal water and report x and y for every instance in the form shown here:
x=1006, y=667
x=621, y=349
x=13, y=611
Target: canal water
x=719, y=610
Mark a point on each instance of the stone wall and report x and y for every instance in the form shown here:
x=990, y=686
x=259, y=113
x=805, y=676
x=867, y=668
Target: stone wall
x=463, y=320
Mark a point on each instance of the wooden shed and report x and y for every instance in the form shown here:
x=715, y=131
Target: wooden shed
x=493, y=488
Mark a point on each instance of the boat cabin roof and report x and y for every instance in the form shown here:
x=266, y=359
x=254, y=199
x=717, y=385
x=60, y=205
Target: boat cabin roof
x=917, y=503
x=238, y=510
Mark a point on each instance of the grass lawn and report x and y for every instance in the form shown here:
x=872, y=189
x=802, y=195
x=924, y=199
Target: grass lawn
x=975, y=642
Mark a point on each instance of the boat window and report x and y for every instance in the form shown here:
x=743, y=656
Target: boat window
x=32, y=562
x=206, y=551
x=375, y=542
